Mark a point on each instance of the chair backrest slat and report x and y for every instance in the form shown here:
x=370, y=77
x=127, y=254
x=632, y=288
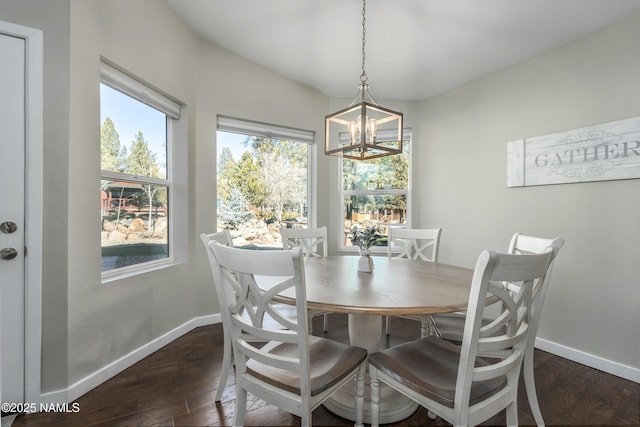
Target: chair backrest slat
x=312, y=241
x=414, y=243
x=259, y=355
x=523, y=244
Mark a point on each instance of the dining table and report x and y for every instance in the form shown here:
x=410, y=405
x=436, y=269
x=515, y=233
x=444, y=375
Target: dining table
x=395, y=287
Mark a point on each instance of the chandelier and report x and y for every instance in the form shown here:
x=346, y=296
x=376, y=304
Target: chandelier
x=364, y=130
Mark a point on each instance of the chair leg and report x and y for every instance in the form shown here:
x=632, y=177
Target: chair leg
x=241, y=406
x=425, y=326
x=359, y=393
x=512, y=413
x=227, y=362
x=305, y=419
x=530, y=386
x=375, y=397
x=310, y=323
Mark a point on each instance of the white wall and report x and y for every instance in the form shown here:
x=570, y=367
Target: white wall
x=232, y=86
x=145, y=37
x=459, y=165
x=108, y=321
x=593, y=304
x=53, y=19
x=91, y=330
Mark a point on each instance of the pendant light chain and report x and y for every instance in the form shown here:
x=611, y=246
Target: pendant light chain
x=363, y=130
x=363, y=76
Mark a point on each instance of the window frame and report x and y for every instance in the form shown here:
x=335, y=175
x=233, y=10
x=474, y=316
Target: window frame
x=408, y=137
x=268, y=130
x=175, y=173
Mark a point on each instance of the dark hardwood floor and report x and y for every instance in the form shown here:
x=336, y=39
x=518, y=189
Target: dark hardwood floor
x=175, y=386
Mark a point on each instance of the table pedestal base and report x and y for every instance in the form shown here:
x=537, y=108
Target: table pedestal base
x=393, y=405
x=365, y=331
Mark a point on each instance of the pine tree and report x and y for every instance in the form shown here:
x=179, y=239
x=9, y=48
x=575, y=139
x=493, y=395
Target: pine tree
x=234, y=212
x=249, y=181
x=141, y=160
x=112, y=155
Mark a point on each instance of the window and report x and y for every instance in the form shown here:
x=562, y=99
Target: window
x=136, y=184
x=376, y=192
x=263, y=181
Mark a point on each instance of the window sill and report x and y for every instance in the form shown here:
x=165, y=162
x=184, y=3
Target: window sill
x=136, y=270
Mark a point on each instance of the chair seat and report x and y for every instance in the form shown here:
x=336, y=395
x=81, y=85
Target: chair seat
x=429, y=366
x=330, y=362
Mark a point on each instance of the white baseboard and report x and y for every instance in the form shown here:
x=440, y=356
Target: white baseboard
x=95, y=379
x=596, y=362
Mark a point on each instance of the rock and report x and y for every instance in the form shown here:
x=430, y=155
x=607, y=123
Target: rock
x=137, y=226
x=117, y=236
x=133, y=237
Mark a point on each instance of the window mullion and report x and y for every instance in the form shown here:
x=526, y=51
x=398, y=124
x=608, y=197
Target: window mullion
x=373, y=192
x=118, y=176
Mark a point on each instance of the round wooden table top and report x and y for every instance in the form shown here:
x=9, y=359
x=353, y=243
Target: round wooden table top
x=395, y=287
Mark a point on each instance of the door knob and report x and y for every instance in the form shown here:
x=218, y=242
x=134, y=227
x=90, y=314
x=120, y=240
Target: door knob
x=8, y=253
x=8, y=227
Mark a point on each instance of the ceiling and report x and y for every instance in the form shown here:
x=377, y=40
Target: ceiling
x=414, y=48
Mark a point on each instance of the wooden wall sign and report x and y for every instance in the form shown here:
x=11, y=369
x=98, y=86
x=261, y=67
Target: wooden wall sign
x=596, y=153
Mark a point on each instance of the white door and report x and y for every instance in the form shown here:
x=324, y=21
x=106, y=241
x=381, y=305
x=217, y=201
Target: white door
x=12, y=217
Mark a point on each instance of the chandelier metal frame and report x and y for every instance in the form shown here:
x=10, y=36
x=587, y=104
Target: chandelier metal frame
x=363, y=130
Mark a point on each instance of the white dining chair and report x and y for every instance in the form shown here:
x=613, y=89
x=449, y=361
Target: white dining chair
x=451, y=326
x=414, y=243
x=452, y=381
x=313, y=243
x=224, y=238
x=294, y=370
